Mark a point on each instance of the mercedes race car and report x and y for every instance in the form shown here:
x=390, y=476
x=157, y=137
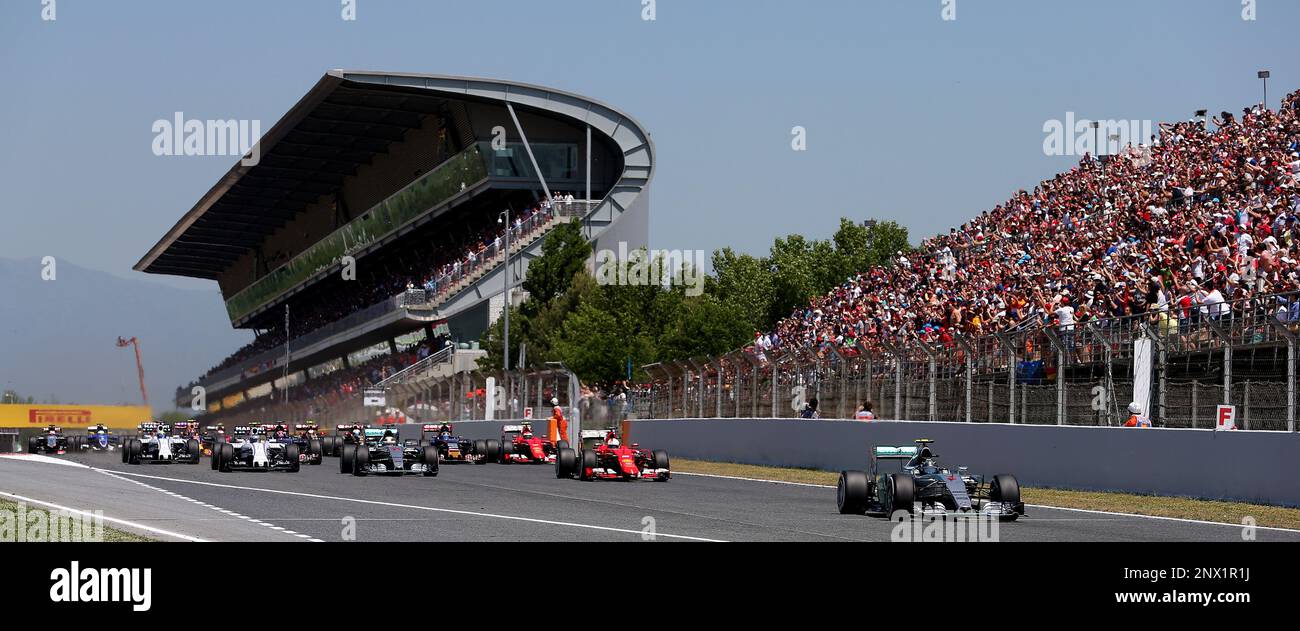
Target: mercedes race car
x=158, y=445
x=97, y=438
x=380, y=452
x=604, y=457
x=51, y=441
x=453, y=448
x=520, y=445
x=910, y=479
x=252, y=450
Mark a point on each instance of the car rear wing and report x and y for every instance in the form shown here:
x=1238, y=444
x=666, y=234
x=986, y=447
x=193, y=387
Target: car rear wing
x=212, y=428
x=887, y=452
x=512, y=429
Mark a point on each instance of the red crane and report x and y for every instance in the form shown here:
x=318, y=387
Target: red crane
x=139, y=365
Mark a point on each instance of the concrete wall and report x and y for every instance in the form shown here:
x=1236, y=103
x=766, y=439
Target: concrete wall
x=1258, y=467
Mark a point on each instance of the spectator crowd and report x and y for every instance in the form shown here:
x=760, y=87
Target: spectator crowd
x=1198, y=223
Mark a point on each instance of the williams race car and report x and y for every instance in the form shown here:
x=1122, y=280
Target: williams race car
x=520, y=445
x=910, y=479
x=379, y=452
x=252, y=450
x=604, y=457
x=157, y=445
x=452, y=448
x=51, y=441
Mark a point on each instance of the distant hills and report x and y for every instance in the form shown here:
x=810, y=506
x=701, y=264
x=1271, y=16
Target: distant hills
x=59, y=337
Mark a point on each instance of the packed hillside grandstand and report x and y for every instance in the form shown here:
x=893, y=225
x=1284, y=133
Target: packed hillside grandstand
x=434, y=270
x=1195, y=225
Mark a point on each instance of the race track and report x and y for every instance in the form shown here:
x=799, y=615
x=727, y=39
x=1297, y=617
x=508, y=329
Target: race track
x=501, y=503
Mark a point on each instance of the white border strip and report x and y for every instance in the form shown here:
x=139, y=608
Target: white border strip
x=1077, y=510
x=115, y=520
x=451, y=511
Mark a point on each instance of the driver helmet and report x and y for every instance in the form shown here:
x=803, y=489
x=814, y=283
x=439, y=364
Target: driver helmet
x=555, y=401
x=612, y=442
x=389, y=438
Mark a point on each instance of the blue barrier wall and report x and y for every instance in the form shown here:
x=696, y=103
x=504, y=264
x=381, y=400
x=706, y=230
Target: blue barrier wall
x=1258, y=467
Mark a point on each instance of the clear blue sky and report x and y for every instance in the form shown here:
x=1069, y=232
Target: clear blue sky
x=909, y=117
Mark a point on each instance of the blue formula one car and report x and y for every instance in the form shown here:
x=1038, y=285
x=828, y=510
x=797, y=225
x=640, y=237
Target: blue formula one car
x=453, y=448
x=97, y=438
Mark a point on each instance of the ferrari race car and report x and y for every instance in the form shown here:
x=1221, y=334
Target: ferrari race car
x=158, y=445
x=51, y=441
x=520, y=445
x=97, y=438
x=252, y=450
x=910, y=479
x=380, y=452
x=604, y=457
x=452, y=448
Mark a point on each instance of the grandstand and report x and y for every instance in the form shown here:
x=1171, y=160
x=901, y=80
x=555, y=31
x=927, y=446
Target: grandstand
x=368, y=236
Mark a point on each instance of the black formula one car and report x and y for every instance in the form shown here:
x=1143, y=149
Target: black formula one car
x=51, y=441
x=344, y=434
x=381, y=453
x=453, y=448
x=910, y=479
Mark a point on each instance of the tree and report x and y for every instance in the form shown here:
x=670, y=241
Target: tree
x=564, y=253
x=704, y=326
x=745, y=282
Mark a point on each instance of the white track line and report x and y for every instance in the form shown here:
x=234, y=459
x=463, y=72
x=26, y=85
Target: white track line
x=1077, y=510
x=129, y=524
x=118, y=476
x=424, y=508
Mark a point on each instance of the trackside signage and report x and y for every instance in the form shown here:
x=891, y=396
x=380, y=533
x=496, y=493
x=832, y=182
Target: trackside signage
x=115, y=416
x=75, y=584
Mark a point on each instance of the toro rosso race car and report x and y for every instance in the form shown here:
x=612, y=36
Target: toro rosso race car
x=97, y=438
x=604, y=457
x=452, y=448
x=379, y=452
x=344, y=434
x=51, y=441
x=520, y=445
x=910, y=479
x=252, y=450
x=158, y=445
x=212, y=436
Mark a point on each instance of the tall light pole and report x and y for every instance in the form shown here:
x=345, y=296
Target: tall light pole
x=504, y=217
x=1264, y=75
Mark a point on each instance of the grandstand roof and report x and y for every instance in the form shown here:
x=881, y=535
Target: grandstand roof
x=342, y=123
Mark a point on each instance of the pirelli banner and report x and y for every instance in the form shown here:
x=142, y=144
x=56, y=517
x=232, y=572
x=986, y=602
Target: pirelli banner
x=114, y=416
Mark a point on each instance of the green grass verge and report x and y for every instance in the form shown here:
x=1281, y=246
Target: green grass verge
x=1182, y=508
x=111, y=535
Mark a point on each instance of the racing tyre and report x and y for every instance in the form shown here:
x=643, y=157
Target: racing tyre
x=502, y=448
x=561, y=444
x=900, y=494
x=491, y=449
x=317, y=450
x=193, y=449
x=852, y=493
x=566, y=463
x=227, y=455
x=346, y=457
x=34, y=445
x=215, y=460
x=1006, y=489
x=430, y=457
x=360, y=460
x=125, y=449
x=586, y=462
x=481, y=450
x=293, y=454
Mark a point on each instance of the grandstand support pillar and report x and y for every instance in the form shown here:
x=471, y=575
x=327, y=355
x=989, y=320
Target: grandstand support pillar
x=1107, y=350
x=932, y=411
x=1290, y=338
x=840, y=374
x=699, y=375
x=1224, y=337
x=970, y=372
x=1010, y=347
x=753, y=405
x=722, y=371
x=536, y=169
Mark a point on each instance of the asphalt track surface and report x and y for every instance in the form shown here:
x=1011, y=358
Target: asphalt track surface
x=501, y=503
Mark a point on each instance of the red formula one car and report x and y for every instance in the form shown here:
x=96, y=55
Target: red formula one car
x=604, y=457
x=520, y=445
